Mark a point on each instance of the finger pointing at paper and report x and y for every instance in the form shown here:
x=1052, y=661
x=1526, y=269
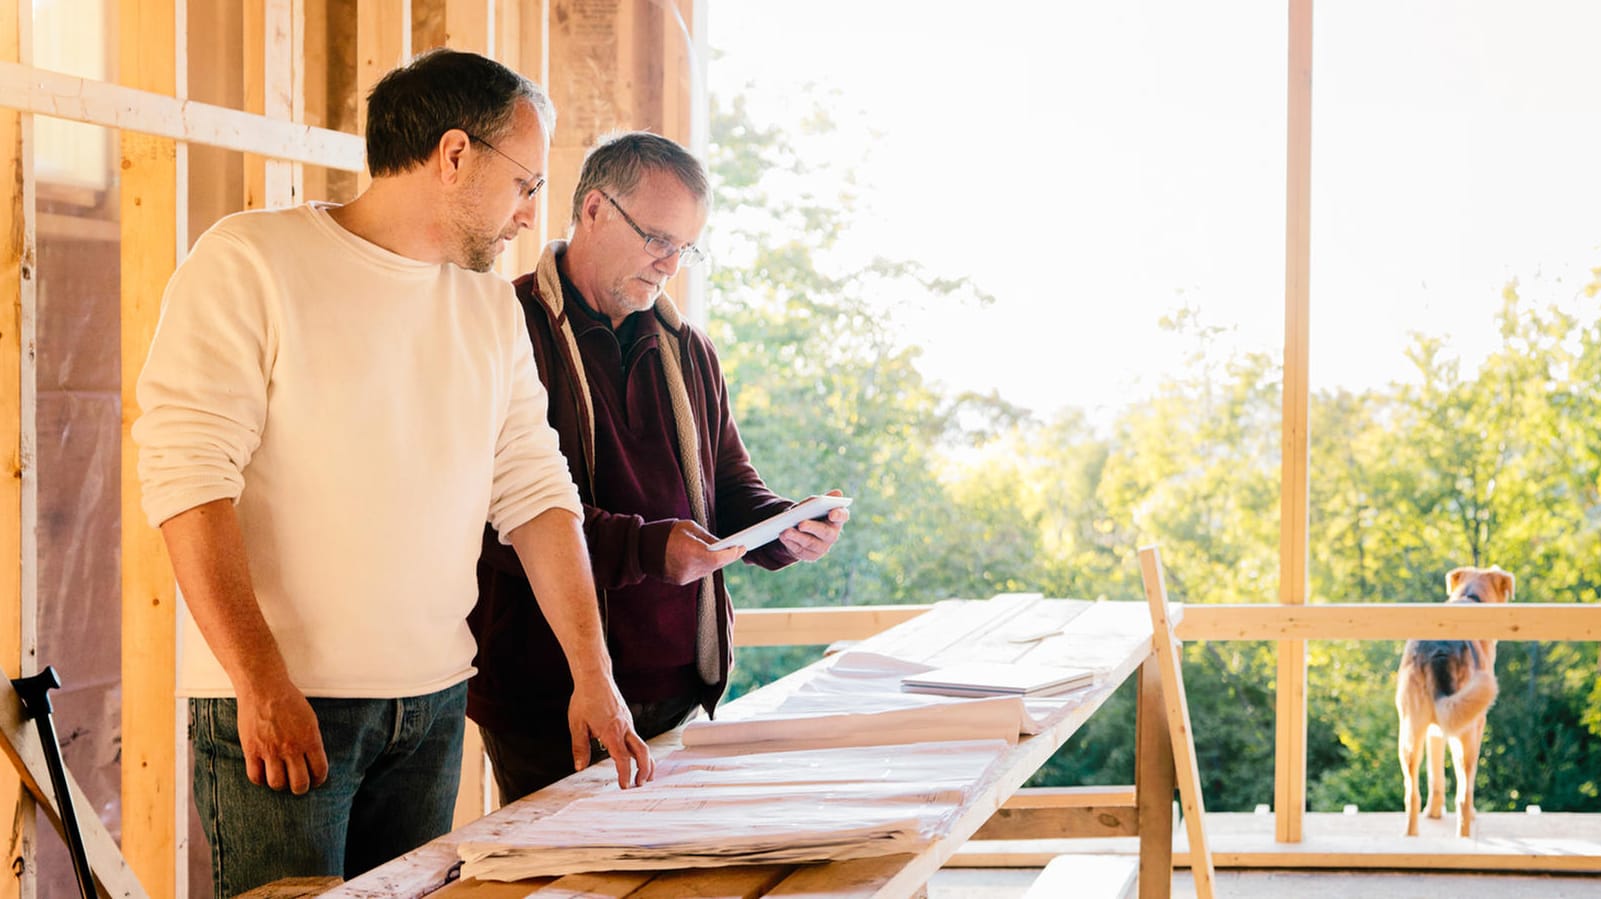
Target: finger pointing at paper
x=810, y=540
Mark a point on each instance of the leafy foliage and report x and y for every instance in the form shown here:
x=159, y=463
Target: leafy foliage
x=967, y=496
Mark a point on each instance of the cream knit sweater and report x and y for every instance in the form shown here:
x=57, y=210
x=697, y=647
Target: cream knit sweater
x=367, y=413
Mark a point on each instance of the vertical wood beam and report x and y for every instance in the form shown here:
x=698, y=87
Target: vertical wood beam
x=1154, y=781
x=531, y=36
x=383, y=41
x=18, y=638
x=1289, y=775
x=273, y=69
x=470, y=26
x=608, y=65
x=312, y=93
x=151, y=198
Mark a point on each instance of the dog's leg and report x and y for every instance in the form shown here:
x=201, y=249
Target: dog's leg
x=1465, y=759
x=1436, y=773
x=1409, y=746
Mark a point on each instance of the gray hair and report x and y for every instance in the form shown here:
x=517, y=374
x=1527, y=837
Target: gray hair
x=620, y=160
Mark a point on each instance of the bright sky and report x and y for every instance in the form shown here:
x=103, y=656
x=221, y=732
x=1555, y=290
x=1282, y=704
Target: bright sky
x=1097, y=166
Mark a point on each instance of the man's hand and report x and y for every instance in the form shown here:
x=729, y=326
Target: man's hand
x=598, y=711
x=283, y=747
x=811, y=540
x=690, y=556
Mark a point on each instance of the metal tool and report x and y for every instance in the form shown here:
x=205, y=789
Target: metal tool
x=34, y=691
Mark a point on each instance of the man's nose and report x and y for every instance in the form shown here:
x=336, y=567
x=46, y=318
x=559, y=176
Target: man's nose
x=527, y=213
x=668, y=265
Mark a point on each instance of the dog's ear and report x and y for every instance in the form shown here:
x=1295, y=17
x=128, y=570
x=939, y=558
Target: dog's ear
x=1456, y=577
x=1503, y=581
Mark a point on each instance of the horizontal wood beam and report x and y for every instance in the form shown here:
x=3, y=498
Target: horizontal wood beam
x=113, y=106
x=817, y=626
x=1258, y=621
x=1053, y=812
x=1071, y=797
x=1391, y=621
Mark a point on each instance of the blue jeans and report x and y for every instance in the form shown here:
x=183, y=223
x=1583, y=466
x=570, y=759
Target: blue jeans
x=393, y=770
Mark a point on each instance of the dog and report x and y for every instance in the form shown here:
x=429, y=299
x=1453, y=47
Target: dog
x=1443, y=690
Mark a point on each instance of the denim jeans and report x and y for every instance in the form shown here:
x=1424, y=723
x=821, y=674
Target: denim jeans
x=540, y=753
x=393, y=770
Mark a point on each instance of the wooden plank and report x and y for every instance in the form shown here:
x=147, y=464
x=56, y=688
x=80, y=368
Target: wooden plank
x=150, y=201
x=524, y=35
x=273, y=66
x=470, y=26
x=312, y=86
x=743, y=882
x=817, y=626
x=1290, y=753
x=291, y=888
x=162, y=115
x=18, y=631
x=1169, y=661
x=1506, y=841
x=1072, y=797
x=472, y=800
x=1153, y=780
x=383, y=41
x=22, y=747
x=1084, y=877
x=1392, y=621
x=1060, y=821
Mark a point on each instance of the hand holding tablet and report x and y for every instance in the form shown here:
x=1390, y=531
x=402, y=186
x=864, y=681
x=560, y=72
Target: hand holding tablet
x=764, y=532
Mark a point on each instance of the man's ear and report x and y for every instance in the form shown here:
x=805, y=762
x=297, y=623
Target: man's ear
x=449, y=152
x=589, y=207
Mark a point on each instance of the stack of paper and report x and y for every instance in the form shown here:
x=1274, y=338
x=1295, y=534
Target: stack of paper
x=707, y=809
x=998, y=679
x=858, y=700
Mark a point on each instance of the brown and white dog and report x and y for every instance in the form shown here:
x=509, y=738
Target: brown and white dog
x=1443, y=690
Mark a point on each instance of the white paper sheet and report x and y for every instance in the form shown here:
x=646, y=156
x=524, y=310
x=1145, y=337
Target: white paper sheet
x=708, y=809
x=858, y=701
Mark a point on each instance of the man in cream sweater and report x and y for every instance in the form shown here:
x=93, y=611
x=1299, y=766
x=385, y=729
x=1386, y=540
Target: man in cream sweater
x=336, y=399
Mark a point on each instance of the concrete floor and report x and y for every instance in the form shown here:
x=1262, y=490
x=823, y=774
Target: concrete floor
x=1011, y=883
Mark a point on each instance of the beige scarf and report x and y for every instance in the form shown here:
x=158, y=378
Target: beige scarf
x=708, y=646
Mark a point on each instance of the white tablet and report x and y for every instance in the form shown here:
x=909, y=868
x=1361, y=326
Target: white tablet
x=764, y=532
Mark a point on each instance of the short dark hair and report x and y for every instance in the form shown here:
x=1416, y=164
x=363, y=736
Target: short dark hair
x=410, y=108
x=617, y=163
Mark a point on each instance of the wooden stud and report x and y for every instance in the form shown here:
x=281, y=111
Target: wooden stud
x=383, y=41
x=162, y=115
x=470, y=25
x=150, y=199
x=273, y=63
x=1290, y=755
x=1153, y=775
x=1169, y=662
x=312, y=91
x=18, y=637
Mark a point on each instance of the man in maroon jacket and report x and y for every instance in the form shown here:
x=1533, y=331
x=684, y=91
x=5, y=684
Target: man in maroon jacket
x=638, y=399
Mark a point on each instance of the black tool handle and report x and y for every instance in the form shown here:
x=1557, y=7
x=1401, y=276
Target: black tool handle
x=34, y=691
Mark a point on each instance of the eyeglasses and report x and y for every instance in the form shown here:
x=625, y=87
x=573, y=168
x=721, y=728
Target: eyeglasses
x=689, y=255
x=530, y=188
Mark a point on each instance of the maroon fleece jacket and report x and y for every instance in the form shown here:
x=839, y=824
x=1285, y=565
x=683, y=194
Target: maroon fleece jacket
x=631, y=502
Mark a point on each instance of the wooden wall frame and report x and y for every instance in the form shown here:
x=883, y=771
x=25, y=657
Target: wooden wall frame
x=18, y=609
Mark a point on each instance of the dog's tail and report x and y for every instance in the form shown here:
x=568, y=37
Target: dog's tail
x=1456, y=710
